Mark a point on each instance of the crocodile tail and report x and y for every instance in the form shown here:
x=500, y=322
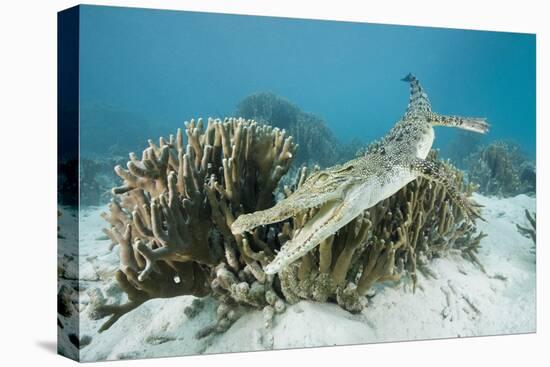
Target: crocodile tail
x=475, y=124
x=418, y=100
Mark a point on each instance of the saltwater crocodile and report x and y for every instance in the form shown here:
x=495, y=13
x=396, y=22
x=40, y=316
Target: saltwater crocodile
x=344, y=191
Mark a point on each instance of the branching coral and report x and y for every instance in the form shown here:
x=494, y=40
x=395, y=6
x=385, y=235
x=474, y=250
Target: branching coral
x=501, y=169
x=396, y=237
x=171, y=217
x=531, y=231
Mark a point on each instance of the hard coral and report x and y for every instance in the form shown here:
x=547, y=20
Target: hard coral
x=501, y=169
x=318, y=145
x=396, y=237
x=171, y=217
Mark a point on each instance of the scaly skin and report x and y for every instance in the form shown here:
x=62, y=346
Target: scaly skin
x=344, y=191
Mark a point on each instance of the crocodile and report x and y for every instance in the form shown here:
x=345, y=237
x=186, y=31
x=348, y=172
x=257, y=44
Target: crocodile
x=343, y=192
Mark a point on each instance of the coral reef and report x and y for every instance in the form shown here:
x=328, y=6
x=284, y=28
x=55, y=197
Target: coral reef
x=501, y=169
x=87, y=181
x=459, y=149
x=171, y=222
x=395, y=238
x=343, y=192
x=317, y=143
x=197, y=215
x=91, y=188
x=171, y=218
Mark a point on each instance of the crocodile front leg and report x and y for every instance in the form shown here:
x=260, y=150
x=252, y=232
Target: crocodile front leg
x=433, y=171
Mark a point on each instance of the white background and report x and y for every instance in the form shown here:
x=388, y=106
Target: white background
x=28, y=181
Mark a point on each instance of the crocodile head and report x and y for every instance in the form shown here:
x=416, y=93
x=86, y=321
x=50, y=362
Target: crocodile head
x=335, y=197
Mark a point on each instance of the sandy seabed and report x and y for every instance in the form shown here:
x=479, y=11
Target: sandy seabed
x=461, y=301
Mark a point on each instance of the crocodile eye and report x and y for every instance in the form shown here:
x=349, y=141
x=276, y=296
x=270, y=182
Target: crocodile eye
x=322, y=178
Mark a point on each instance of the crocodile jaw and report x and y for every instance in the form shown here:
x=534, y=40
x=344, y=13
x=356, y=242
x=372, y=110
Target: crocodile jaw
x=296, y=203
x=325, y=222
x=335, y=214
x=330, y=217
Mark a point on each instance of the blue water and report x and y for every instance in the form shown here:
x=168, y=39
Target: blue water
x=162, y=67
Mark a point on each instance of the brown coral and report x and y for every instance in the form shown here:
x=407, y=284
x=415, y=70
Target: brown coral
x=502, y=169
x=317, y=142
x=171, y=216
x=396, y=237
x=529, y=231
x=171, y=219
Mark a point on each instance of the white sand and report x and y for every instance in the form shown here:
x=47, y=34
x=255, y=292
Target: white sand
x=462, y=301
